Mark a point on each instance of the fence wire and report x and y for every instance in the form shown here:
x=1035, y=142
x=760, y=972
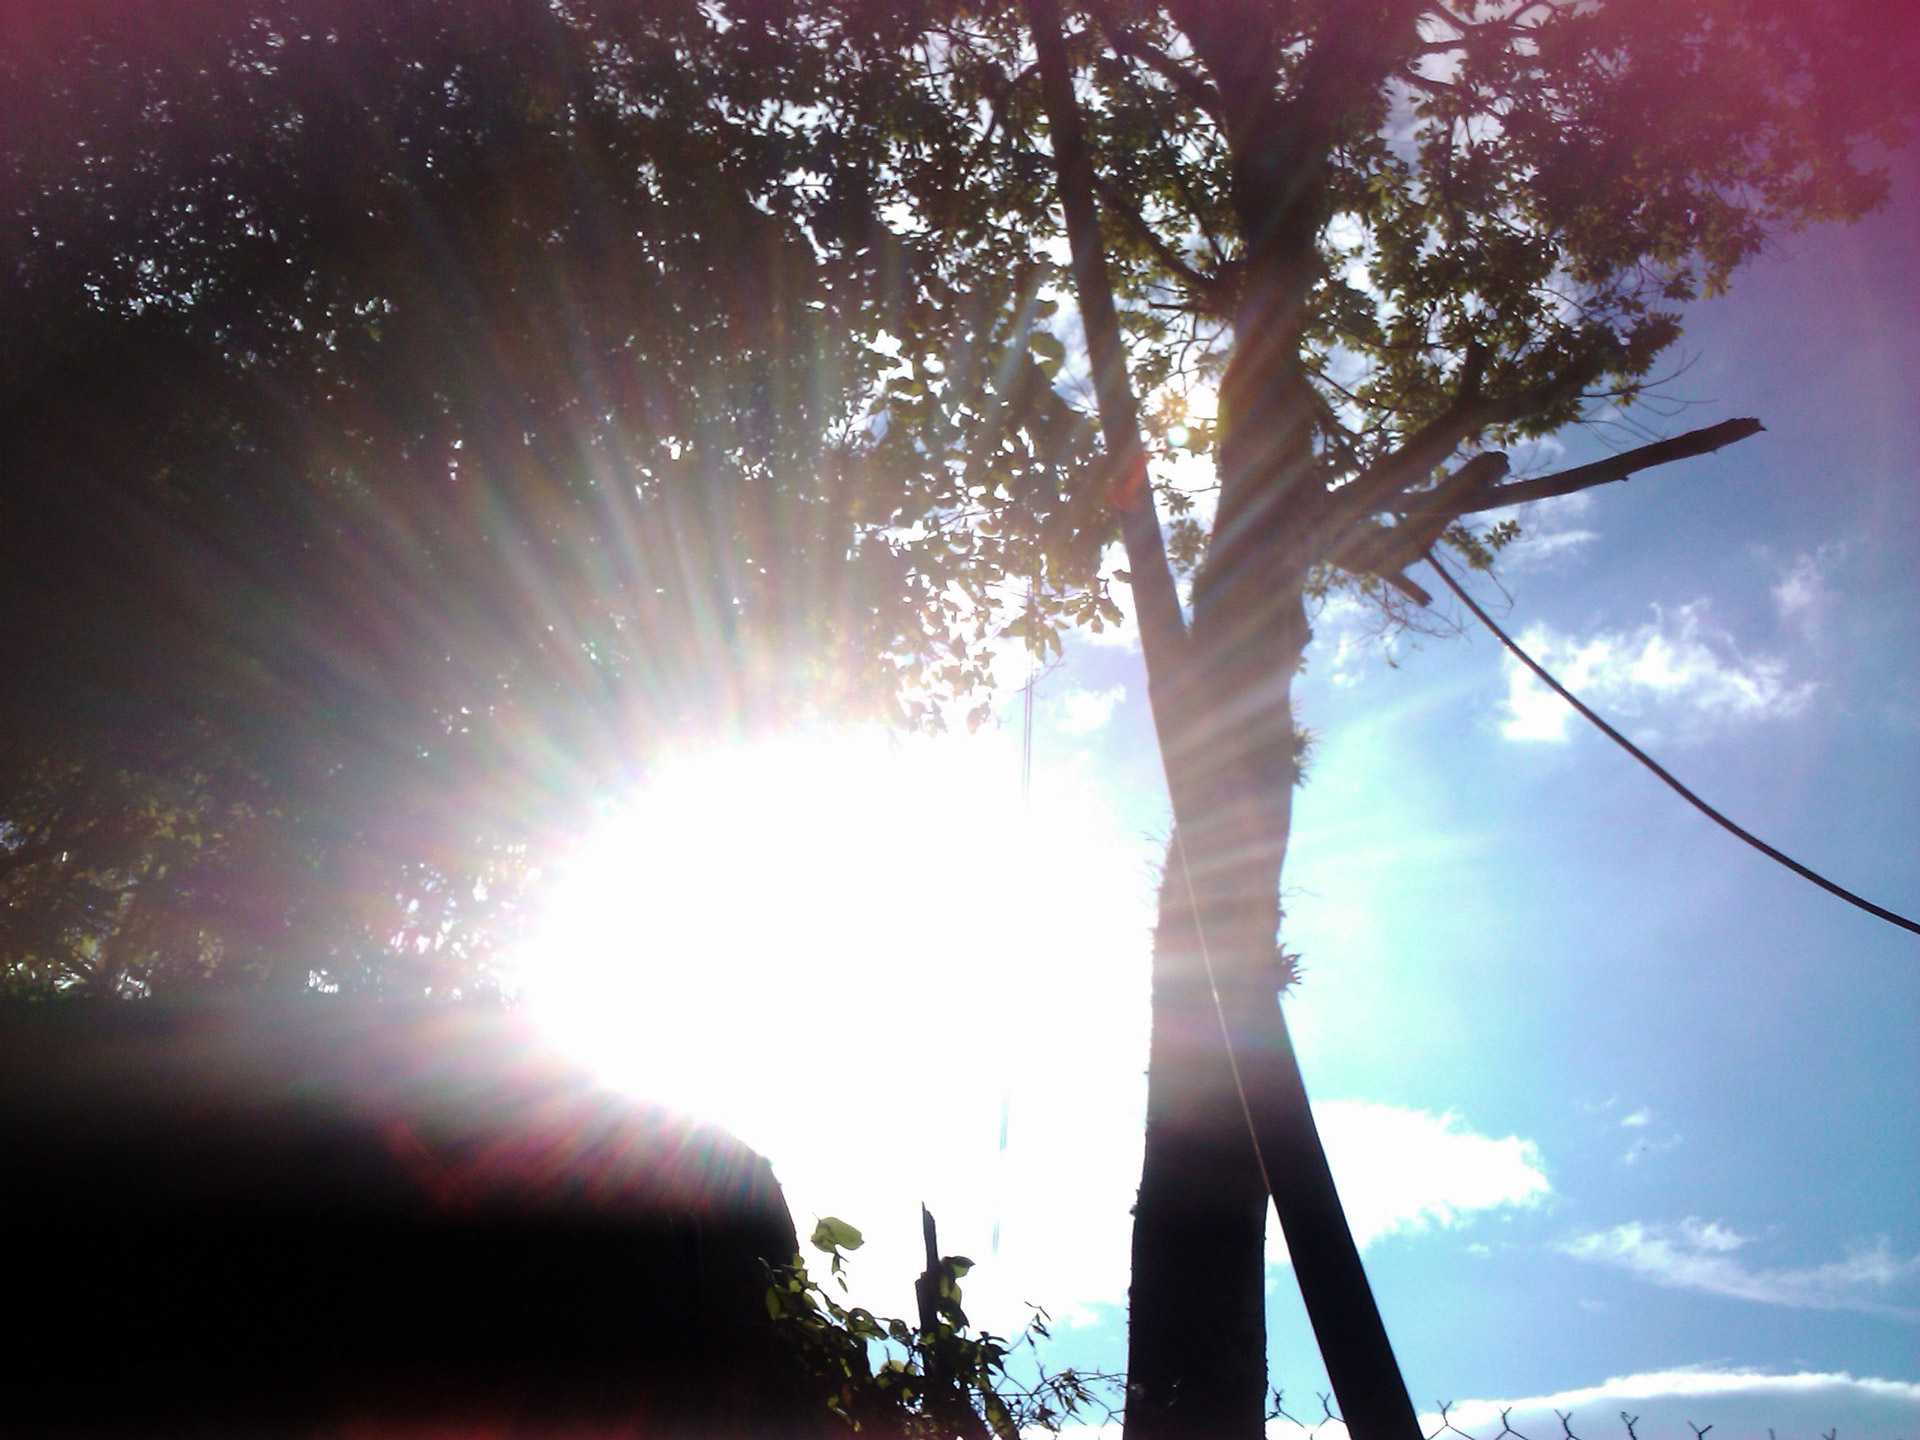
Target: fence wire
x=1329, y=1426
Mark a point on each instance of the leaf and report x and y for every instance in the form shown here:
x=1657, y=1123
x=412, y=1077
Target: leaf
x=833, y=1234
x=1046, y=345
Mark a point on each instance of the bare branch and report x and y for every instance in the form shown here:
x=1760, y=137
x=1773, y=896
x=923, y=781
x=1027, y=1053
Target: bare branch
x=1380, y=485
x=1602, y=472
x=1410, y=588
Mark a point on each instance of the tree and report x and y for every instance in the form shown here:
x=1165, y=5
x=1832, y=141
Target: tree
x=1429, y=231
x=1396, y=236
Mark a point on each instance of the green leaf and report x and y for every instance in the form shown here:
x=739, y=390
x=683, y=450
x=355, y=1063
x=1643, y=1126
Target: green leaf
x=833, y=1234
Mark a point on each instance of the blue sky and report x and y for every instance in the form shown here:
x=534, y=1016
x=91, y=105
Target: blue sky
x=1622, y=1112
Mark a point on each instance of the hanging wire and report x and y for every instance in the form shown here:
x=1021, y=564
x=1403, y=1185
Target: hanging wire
x=1890, y=916
x=1026, y=809
x=1026, y=710
x=1026, y=741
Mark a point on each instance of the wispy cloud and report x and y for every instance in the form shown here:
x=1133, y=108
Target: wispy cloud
x=1798, y=598
x=1551, y=533
x=1803, y=596
x=1403, y=1171
x=1543, y=548
x=1704, y=1255
x=1350, y=637
x=1081, y=711
x=1678, y=670
x=1645, y=1140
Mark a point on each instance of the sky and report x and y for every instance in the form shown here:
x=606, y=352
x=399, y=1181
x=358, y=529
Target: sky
x=1622, y=1112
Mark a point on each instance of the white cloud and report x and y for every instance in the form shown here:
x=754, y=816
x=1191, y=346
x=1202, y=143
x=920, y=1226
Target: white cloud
x=1802, y=596
x=1735, y=1401
x=1543, y=548
x=1798, y=596
x=1537, y=454
x=1551, y=532
x=1678, y=669
x=1349, y=637
x=1703, y=1255
x=1405, y=1171
x=1082, y=711
x=1644, y=1139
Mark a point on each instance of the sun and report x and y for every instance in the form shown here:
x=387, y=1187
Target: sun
x=872, y=960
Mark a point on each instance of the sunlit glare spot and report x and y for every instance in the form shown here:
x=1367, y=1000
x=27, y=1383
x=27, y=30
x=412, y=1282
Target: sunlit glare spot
x=856, y=952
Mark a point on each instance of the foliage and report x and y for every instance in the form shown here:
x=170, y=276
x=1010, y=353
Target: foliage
x=418, y=414
x=1460, y=225
x=935, y=1381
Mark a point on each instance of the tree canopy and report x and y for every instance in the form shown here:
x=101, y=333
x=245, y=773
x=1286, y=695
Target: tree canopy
x=418, y=414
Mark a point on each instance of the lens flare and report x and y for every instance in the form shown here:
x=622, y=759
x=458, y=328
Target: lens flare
x=859, y=952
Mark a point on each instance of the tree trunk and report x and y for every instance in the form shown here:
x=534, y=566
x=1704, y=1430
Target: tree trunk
x=1226, y=1126
x=1197, y=1359
x=1197, y=1362
x=1227, y=1123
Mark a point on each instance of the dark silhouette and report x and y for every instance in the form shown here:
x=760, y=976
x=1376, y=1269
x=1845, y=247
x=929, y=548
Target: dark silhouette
x=321, y=1217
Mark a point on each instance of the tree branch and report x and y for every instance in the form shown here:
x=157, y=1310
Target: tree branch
x=1198, y=92
x=1207, y=285
x=1163, y=631
x=1386, y=550
x=1381, y=485
x=1602, y=472
x=1370, y=552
